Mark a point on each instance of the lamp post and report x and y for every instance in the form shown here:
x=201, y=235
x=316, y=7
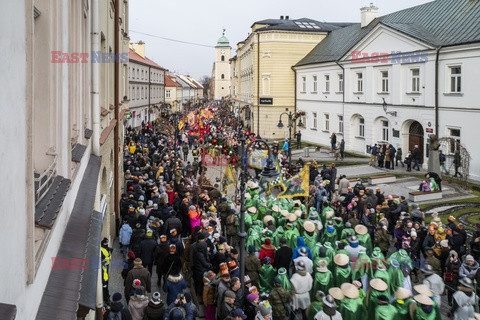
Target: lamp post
x=292, y=117
x=269, y=172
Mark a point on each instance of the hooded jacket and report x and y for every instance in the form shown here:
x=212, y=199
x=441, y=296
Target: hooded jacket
x=154, y=311
x=174, y=285
x=300, y=245
x=467, y=270
x=200, y=261
x=125, y=234
x=136, y=306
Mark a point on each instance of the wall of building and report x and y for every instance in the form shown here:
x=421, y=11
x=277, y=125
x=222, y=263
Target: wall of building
x=222, y=68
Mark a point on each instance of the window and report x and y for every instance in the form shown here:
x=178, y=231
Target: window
x=415, y=80
x=340, y=83
x=304, y=84
x=361, y=127
x=138, y=73
x=327, y=83
x=455, y=134
x=384, y=130
x=327, y=121
x=266, y=85
x=340, y=124
x=223, y=76
x=314, y=126
x=456, y=79
x=315, y=86
x=384, y=81
x=223, y=58
x=167, y=93
x=359, y=82
x=142, y=75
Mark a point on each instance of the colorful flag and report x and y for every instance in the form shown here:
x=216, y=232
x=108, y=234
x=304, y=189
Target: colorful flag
x=229, y=178
x=258, y=159
x=297, y=186
x=181, y=124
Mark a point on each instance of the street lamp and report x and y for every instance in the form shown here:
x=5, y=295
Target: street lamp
x=269, y=172
x=292, y=117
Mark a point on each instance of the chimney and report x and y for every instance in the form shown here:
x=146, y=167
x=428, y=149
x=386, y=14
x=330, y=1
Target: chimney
x=368, y=14
x=281, y=17
x=287, y=17
x=139, y=48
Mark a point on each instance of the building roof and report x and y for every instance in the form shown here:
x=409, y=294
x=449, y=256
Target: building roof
x=196, y=83
x=187, y=80
x=169, y=82
x=303, y=24
x=135, y=57
x=223, y=42
x=63, y=292
x=436, y=23
x=47, y=209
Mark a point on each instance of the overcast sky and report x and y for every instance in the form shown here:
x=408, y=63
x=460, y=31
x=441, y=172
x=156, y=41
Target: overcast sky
x=202, y=22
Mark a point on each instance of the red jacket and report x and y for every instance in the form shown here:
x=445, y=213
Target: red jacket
x=267, y=251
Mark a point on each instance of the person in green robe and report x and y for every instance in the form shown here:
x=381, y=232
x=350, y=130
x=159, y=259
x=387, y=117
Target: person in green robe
x=316, y=305
x=268, y=234
x=347, y=230
x=291, y=234
x=329, y=253
x=330, y=234
x=424, y=308
x=396, y=276
x=267, y=275
x=377, y=261
x=284, y=279
x=254, y=239
x=378, y=287
x=323, y=280
x=383, y=274
x=402, y=257
x=253, y=213
x=342, y=272
x=361, y=266
x=327, y=213
x=309, y=234
x=402, y=303
x=384, y=310
x=277, y=235
x=338, y=223
x=364, y=237
x=352, y=306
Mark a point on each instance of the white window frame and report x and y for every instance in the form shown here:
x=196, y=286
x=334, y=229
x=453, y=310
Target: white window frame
x=340, y=82
x=304, y=84
x=415, y=80
x=458, y=138
x=455, y=79
x=314, y=121
x=327, y=122
x=361, y=127
x=385, y=129
x=327, y=83
x=359, y=82
x=384, y=81
x=315, y=84
x=340, y=123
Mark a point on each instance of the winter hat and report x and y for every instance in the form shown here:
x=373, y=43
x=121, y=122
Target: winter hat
x=156, y=299
x=252, y=297
x=251, y=249
x=117, y=296
x=139, y=291
x=469, y=258
x=230, y=294
x=131, y=254
x=413, y=234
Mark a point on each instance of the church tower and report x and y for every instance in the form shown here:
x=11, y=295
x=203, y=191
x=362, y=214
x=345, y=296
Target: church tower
x=222, y=67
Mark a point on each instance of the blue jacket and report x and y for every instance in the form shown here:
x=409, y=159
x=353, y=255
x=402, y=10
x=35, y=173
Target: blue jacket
x=125, y=234
x=300, y=245
x=173, y=286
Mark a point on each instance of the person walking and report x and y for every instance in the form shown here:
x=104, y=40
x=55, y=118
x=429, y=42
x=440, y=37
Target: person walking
x=342, y=149
x=298, y=136
x=416, y=158
x=333, y=141
x=464, y=300
x=124, y=237
x=373, y=155
x=398, y=157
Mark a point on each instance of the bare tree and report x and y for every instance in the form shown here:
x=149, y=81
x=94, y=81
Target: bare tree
x=205, y=82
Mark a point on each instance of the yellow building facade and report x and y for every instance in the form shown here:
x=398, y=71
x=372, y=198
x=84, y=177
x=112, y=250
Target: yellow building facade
x=264, y=79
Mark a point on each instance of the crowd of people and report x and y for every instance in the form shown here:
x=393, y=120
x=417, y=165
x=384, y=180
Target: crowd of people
x=343, y=252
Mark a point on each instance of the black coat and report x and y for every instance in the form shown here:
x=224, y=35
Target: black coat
x=200, y=262
x=147, y=248
x=283, y=257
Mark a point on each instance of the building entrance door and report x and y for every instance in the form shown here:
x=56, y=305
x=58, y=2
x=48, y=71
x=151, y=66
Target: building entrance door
x=415, y=137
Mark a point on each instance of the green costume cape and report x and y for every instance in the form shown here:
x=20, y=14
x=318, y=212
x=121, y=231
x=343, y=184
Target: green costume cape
x=267, y=275
x=402, y=258
x=422, y=315
x=372, y=302
x=385, y=312
x=253, y=239
x=396, y=278
x=342, y=275
x=285, y=281
x=352, y=309
x=361, y=266
x=330, y=236
x=291, y=236
x=365, y=240
x=385, y=276
x=315, y=251
x=277, y=235
x=248, y=221
x=322, y=281
x=343, y=235
x=338, y=226
x=310, y=240
x=403, y=309
x=330, y=253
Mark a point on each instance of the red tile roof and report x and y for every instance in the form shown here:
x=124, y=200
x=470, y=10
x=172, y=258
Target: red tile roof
x=170, y=83
x=135, y=57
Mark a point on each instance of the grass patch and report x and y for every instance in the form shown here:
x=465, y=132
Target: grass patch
x=476, y=199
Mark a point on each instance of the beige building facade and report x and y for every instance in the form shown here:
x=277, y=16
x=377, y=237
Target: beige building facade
x=263, y=83
x=221, y=68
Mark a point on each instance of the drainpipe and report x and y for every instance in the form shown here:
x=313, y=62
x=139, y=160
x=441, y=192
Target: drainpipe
x=436, y=89
x=294, y=98
x=258, y=84
x=95, y=81
x=116, y=133
x=343, y=96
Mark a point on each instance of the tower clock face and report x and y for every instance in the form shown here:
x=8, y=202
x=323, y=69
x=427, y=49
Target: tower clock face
x=222, y=51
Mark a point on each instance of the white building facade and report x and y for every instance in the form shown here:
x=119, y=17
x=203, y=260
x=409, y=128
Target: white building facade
x=146, y=86
x=393, y=87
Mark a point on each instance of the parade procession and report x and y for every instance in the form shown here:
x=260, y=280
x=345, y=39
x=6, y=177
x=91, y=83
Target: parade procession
x=252, y=160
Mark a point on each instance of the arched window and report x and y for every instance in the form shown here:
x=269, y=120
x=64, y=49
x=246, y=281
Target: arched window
x=223, y=58
x=223, y=76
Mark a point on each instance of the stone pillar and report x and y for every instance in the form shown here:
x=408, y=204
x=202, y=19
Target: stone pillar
x=434, y=162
